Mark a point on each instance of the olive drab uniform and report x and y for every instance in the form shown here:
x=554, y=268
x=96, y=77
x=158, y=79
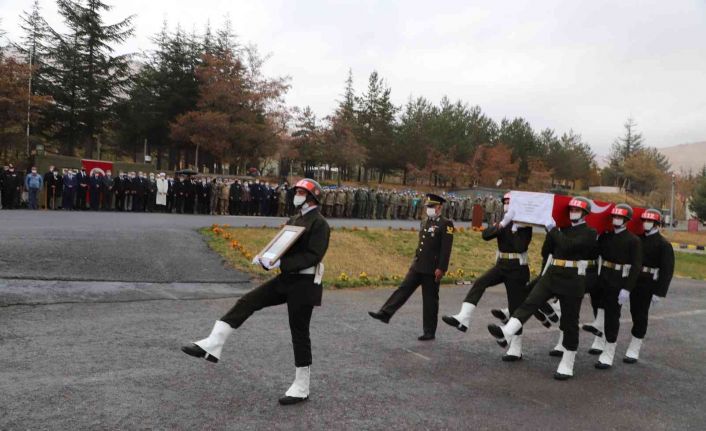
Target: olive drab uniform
x=433, y=252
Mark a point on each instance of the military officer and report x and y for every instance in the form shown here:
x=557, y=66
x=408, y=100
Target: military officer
x=568, y=251
x=511, y=268
x=298, y=285
x=430, y=263
x=653, y=280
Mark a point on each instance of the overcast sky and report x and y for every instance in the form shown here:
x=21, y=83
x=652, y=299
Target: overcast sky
x=585, y=65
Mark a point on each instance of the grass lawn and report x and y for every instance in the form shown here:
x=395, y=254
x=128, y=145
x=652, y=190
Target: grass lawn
x=368, y=257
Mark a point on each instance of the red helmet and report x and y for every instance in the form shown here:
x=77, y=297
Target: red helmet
x=653, y=215
x=622, y=210
x=506, y=197
x=311, y=186
x=580, y=203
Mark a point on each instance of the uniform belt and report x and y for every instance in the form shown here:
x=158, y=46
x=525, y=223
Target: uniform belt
x=317, y=271
x=573, y=263
x=522, y=257
x=624, y=267
x=653, y=271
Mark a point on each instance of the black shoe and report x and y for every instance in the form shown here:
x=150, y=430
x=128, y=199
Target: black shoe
x=553, y=317
x=556, y=353
x=511, y=358
x=592, y=329
x=452, y=321
x=559, y=376
x=497, y=332
x=596, y=352
x=379, y=315
x=601, y=366
x=498, y=314
x=543, y=319
x=629, y=360
x=426, y=337
x=287, y=400
x=198, y=352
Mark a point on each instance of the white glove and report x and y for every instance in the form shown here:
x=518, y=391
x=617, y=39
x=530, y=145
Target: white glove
x=268, y=264
x=656, y=299
x=508, y=218
x=550, y=224
x=623, y=296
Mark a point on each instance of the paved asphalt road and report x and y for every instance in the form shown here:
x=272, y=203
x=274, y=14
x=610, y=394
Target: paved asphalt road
x=90, y=335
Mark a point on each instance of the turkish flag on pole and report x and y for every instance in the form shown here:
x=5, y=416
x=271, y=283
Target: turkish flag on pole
x=540, y=208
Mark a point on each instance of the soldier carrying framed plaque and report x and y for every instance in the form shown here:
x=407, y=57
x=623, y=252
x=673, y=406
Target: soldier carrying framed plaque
x=279, y=245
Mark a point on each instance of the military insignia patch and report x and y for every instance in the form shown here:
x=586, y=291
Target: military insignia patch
x=450, y=230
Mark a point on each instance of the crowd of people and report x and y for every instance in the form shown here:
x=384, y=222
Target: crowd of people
x=74, y=189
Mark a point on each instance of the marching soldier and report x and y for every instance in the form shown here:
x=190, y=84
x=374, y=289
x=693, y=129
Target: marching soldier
x=621, y=262
x=511, y=268
x=652, y=282
x=430, y=263
x=568, y=252
x=298, y=285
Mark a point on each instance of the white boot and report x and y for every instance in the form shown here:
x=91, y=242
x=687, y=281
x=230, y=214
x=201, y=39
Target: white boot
x=502, y=314
x=504, y=333
x=605, y=361
x=559, y=349
x=514, y=353
x=566, y=366
x=464, y=316
x=213, y=344
x=299, y=391
x=597, y=346
x=633, y=353
x=596, y=327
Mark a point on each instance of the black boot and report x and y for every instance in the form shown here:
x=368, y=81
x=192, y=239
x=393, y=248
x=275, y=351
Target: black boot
x=380, y=315
x=287, y=400
x=426, y=337
x=498, y=314
x=198, y=352
x=497, y=332
x=452, y=321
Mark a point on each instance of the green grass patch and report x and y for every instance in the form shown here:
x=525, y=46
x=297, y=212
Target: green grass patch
x=379, y=257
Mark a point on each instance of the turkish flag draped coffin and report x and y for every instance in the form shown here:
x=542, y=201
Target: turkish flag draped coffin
x=538, y=208
x=99, y=166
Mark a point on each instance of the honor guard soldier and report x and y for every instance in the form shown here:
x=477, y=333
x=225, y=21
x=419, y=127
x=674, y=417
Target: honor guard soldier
x=298, y=285
x=652, y=282
x=621, y=262
x=430, y=264
x=511, y=268
x=568, y=252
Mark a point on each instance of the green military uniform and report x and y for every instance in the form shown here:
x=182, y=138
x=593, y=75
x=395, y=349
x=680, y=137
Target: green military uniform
x=430, y=262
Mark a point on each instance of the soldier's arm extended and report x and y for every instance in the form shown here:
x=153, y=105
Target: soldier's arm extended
x=491, y=232
x=314, y=251
x=666, y=269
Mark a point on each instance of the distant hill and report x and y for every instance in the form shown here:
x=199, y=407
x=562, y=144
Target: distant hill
x=686, y=156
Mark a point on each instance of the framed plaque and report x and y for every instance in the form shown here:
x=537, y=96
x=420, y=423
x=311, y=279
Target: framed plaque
x=279, y=245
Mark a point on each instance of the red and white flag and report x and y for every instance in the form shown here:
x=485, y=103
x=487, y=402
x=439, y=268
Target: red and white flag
x=99, y=166
x=543, y=208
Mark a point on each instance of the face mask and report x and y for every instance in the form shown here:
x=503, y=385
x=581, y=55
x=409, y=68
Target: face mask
x=648, y=225
x=431, y=212
x=617, y=221
x=505, y=207
x=299, y=200
x=34, y=171
x=575, y=215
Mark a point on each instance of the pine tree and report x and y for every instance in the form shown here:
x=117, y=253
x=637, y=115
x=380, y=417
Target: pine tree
x=87, y=78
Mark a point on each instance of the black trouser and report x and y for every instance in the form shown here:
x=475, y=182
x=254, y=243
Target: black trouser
x=612, y=312
x=81, y=198
x=267, y=295
x=547, y=287
x=640, y=301
x=430, y=298
x=515, y=278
